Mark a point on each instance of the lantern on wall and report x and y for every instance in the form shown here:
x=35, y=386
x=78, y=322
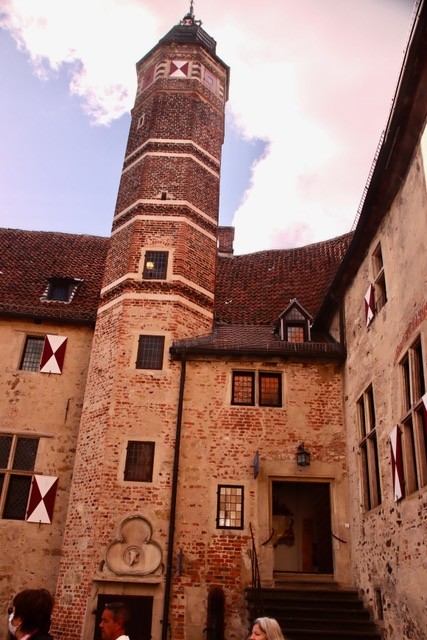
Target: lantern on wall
x=303, y=456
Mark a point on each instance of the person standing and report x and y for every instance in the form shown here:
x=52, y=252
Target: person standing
x=115, y=618
x=30, y=615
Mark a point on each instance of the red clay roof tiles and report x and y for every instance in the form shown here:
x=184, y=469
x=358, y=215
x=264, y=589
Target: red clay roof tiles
x=255, y=288
x=29, y=258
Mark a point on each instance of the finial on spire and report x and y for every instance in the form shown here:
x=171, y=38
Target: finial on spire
x=189, y=18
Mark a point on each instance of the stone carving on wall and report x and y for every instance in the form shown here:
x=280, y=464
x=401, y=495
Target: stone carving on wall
x=133, y=552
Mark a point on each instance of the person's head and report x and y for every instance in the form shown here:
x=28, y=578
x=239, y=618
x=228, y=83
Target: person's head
x=266, y=629
x=114, y=620
x=31, y=610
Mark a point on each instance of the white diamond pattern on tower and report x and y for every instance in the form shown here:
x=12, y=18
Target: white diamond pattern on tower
x=179, y=69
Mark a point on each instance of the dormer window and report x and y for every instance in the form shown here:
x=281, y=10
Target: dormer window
x=294, y=323
x=60, y=290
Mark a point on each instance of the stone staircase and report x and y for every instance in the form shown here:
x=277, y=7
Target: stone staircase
x=314, y=611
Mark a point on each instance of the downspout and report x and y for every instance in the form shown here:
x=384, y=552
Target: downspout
x=168, y=582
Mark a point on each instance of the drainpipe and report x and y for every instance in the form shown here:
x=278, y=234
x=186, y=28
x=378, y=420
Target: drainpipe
x=168, y=582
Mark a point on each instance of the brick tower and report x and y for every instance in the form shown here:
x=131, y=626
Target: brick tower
x=158, y=286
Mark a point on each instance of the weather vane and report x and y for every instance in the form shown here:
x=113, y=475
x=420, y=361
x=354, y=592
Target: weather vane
x=190, y=18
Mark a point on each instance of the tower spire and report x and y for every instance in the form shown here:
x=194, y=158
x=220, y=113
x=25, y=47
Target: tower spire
x=189, y=18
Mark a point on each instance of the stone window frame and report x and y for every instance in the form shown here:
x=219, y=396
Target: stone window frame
x=228, y=495
x=15, y=475
x=368, y=450
x=412, y=424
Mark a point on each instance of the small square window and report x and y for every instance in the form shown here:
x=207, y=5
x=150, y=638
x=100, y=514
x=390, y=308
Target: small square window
x=150, y=352
x=243, y=388
x=270, y=390
x=32, y=354
x=139, y=461
x=155, y=265
x=229, y=507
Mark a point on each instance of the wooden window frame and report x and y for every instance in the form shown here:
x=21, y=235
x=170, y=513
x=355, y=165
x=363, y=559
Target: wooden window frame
x=380, y=289
x=147, y=475
x=12, y=470
x=243, y=374
x=149, y=356
x=241, y=490
x=30, y=361
x=413, y=429
x=368, y=450
x=159, y=272
x=262, y=375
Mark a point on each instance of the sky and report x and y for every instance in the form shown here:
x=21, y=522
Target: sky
x=311, y=87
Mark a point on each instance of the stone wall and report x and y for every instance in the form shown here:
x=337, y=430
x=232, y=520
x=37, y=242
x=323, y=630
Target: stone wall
x=389, y=540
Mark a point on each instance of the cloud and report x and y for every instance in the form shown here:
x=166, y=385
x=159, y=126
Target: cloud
x=98, y=42
x=314, y=80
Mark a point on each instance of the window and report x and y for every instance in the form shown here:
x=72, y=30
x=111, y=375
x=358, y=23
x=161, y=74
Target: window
x=243, y=387
x=413, y=427
x=380, y=292
x=229, y=507
x=269, y=389
x=139, y=461
x=32, y=354
x=295, y=333
x=17, y=460
x=150, y=352
x=294, y=323
x=60, y=289
x=368, y=448
x=155, y=265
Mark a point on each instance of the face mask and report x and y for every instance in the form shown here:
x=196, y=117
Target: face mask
x=12, y=629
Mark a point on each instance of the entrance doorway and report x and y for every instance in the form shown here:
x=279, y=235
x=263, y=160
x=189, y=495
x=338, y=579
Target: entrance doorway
x=141, y=613
x=301, y=519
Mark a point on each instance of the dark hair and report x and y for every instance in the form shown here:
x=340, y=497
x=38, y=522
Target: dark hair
x=34, y=607
x=119, y=611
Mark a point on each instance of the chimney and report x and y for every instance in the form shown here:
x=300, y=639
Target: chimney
x=225, y=241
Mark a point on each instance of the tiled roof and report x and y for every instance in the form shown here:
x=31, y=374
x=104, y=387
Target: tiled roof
x=255, y=288
x=255, y=339
x=29, y=258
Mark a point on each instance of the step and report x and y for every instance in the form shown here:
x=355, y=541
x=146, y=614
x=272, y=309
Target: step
x=326, y=624
x=302, y=634
x=349, y=614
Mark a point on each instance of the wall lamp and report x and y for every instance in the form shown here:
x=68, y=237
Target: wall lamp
x=303, y=456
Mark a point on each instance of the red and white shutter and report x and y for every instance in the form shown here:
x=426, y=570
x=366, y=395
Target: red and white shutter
x=397, y=464
x=369, y=304
x=52, y=359
x=42, y=499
